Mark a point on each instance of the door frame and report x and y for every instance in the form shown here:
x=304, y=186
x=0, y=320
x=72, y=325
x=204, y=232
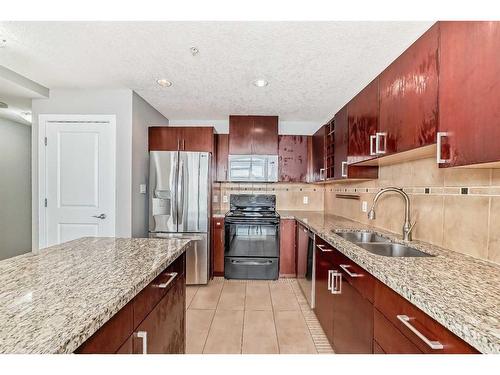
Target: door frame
x=43, y=121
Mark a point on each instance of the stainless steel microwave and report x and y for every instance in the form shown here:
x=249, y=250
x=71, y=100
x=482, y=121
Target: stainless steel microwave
x=253, y=168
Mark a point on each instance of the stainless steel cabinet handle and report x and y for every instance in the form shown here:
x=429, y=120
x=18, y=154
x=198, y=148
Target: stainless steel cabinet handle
x=439, y=158
x=435, y=345
x=251, y=262
x=143, y=335
x=372, y=139
x=377, y=143
x=344, y=169
x=345, y=267
x=101, y=216
x=329, y=286
x=322, y=174
x=322, y=248
x=172, y=275
x=336, y=287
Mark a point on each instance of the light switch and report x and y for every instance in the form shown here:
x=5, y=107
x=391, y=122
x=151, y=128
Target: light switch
x=305, y=199
x=224, y=199
x=364, y=206
x=142, y=188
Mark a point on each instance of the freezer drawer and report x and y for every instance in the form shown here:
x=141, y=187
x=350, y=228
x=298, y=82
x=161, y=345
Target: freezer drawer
x=251, y=268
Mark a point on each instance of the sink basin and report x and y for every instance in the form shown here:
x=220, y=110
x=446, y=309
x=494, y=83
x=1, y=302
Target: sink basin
x=393, y=250
x=362, y=237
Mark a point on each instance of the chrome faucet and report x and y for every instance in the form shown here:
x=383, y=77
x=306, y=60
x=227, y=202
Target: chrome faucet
x=407, y=226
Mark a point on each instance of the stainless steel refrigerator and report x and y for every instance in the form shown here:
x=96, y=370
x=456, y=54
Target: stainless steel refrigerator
x=179, y=198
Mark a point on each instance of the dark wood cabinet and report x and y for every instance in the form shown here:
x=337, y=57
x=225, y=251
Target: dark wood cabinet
x=293, y=153
x=388, y=339
x=287, y=248
x=341, y=144
x=180, y=138
x=257, y=135
x=469, y=91
x=218, y=245
x=154, y=320
x=409, y=96
x=318, y=155
x=222, y=142
x=362, y=120
x=323, y=304
x=301, y=250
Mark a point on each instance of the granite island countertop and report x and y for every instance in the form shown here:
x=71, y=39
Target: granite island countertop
x=52, y=300
x=460, y=292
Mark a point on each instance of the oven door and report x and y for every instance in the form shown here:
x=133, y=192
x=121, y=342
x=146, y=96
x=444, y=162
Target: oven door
x=252, y=238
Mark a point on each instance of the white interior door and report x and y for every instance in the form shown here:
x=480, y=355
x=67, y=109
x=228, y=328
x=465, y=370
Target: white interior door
x=79, y=180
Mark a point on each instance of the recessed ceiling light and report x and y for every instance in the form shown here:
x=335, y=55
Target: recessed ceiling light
x=194, y=51
x=164, y=82
x=260, y=82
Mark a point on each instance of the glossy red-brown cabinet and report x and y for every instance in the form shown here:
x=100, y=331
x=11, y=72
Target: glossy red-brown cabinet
x=287, y=248
x=318, y=155
x=293, y=163
x=469, y=92
x=323, y=298
x=218, y=245
x=341, y=144
x=222, y=142
x=180, y=138
x=257, y=135
x=409, y=97
x=362, y=119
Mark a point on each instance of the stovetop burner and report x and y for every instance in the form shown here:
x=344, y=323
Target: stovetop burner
x=252, y=206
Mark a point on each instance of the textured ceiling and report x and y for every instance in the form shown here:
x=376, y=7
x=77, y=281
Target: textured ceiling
x=313, y=67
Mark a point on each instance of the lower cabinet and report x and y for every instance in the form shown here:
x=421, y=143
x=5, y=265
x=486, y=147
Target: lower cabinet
x=153, y=322
x=360, y=314
x=218, y=245
x=287, y=248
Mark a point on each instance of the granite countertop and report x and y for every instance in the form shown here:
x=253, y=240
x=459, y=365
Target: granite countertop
x=219, y=213
x=460, y=292
x=52, y=300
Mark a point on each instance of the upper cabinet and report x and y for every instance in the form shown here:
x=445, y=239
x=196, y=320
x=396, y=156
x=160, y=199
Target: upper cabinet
x=362, y=123
x=409, y=96
x=181, y=138
x=222, y=141
x=469, y=92
x=318, y=155
x=293, y=163
x=253, y=135
x=341, y=143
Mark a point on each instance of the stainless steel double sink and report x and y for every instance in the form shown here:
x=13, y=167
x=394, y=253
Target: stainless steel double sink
x=380, y=245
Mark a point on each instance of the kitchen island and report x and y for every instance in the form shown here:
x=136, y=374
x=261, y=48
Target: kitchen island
x=54, y=300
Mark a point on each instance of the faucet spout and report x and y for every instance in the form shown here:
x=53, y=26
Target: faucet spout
x=407, y=226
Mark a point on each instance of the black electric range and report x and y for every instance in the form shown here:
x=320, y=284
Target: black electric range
x=252, y=238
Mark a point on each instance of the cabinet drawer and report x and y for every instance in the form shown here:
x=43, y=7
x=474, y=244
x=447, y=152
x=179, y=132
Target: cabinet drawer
x=147, y=299
x=416, y=325
x=361, y=280
x=389, y=339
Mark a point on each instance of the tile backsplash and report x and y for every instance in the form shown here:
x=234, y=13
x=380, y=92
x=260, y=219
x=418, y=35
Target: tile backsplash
x=289, y=196
x=456, y=208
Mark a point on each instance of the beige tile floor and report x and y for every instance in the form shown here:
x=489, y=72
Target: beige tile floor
x=251, y=317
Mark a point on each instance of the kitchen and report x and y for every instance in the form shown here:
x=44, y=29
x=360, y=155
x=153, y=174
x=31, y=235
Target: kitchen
x=371, y=231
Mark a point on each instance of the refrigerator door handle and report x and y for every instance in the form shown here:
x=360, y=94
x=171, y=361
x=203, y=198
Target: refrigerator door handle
x=180, y=194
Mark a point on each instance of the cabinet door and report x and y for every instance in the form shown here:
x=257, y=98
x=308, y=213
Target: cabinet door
x=323, y=306
x=127, y=347
x=265, y=135
x=222, y=154
x=164, y=138
x=197, y=139
x=409, y=96
x=218, y=246
x=469, y=91
x=240, y=135
x=302, y=238
x=352, y=321
x=165, y=324
x=292, y=151
x=362, y=122
x=287, y=247
x=318, y=155
x=341, y=144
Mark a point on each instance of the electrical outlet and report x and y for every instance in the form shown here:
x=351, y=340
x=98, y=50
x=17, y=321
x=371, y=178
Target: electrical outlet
x=142, y=188
x=216, y=198
x=305, y=199
x=224, y=199
x=364, y=206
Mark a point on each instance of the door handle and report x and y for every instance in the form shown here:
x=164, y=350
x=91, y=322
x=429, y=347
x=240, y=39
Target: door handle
x=344, y=169
x=439, y=145
x=101, y=216
x=143, y=335
x=405, y=319
x=377, y=143
x=322, y=248
x=345, y=267
x=172, y=275
x=372, y=151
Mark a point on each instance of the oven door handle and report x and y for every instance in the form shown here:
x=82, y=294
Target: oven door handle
x=251, y=262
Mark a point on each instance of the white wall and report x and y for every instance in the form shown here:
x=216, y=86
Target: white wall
x=107, y=102
x=284, y=127
x=15, y=188
x=143, y=115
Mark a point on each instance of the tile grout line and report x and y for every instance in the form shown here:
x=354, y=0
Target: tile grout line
x=244, y=315
x=212, y=320
x=274, y=318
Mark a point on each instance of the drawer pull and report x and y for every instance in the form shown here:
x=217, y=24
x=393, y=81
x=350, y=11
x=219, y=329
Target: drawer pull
x=252, y=262
x=436, y=345
x=336, y=282
x=330, y=279
x=322, y=248
x=172, y=275
x=345, y=267
x=143, y=335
